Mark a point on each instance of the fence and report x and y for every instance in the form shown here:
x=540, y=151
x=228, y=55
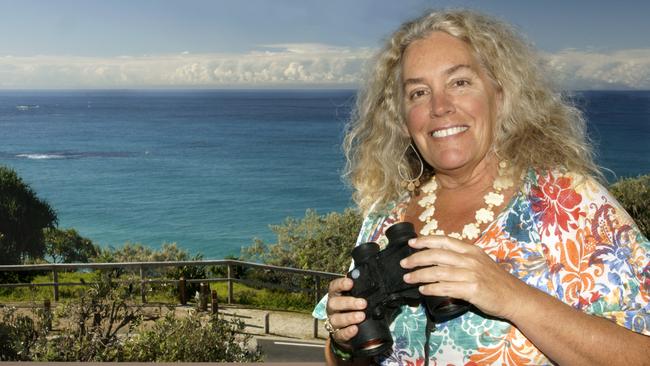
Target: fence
x=316, y=289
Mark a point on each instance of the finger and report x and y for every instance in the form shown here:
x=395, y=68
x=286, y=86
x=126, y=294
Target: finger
x=338, y=304
x=436, y=256
x=339, y=285
x=440, y=242
x=457, y=290
x=343, y=336
x=434, y=274
x=343, y=320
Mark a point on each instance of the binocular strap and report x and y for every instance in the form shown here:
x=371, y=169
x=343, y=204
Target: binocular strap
x=430, y=328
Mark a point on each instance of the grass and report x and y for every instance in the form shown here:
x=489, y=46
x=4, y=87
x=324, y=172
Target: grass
x=159, y=293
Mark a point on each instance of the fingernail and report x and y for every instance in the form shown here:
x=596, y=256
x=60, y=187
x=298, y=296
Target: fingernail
x=411, y=241
x=407, y=277
x=360, y=316
x=402, y=262
x=361, y=303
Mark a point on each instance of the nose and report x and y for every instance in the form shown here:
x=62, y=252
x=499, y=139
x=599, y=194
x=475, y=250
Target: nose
x=441, y=104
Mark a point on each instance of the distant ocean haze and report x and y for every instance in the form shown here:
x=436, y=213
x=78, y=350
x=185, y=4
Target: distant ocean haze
x=210, y=170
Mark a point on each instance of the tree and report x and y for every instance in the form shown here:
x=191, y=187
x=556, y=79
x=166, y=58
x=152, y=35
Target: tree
x=23, y=216
x=316, y=242
x=67, y=246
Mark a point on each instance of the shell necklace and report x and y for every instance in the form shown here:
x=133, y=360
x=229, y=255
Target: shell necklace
x=483, y=215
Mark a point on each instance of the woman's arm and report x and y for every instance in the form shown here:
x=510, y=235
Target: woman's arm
x=571, y=337
x=566, y=335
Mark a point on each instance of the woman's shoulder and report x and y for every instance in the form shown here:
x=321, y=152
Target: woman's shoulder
x=570, y=198
x=563, y=185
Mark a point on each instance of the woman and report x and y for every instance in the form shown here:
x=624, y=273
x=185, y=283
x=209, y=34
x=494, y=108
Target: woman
x=457, y=132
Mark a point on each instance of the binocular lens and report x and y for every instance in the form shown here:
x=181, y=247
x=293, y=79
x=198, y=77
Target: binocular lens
x=372, y=344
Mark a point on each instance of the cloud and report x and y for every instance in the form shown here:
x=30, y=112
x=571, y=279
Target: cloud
x=285, y=65
x=576, y=70
x=270, y=65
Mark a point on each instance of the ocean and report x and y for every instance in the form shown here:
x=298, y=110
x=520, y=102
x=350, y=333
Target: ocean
x=211, y=170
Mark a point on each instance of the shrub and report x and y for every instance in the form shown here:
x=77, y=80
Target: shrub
x=92, y=324
x=191, y=339
x=634, y=195
x=18, y=334
x=90, y=332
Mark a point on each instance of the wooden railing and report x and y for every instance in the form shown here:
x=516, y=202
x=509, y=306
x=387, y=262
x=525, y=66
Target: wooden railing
x=319, y=278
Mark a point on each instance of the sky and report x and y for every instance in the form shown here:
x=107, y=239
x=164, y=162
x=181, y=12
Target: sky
x=85, y=44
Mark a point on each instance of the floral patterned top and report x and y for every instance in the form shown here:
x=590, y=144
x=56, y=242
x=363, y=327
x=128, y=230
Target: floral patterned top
x=561, y=233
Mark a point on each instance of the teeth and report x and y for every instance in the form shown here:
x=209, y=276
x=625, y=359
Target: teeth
x=449, y=131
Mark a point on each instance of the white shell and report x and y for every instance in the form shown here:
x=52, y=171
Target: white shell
x=429, y=228
x=495, y=199
x=483, y=216
x=471, y=231
x=427, y=213
x=427, y=200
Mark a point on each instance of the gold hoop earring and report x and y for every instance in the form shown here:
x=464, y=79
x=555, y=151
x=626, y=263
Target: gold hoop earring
x=411, y=184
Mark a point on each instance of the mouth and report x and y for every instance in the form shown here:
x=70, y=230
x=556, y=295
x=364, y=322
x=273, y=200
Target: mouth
x=449, y=131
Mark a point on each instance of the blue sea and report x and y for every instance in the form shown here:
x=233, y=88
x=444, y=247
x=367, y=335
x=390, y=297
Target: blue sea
x=211, y=170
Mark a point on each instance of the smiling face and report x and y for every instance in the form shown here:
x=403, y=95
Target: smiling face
x=450, y=103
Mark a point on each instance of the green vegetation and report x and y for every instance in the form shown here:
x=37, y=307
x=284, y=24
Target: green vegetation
x=40, y=293
x=67, y=246
x=159, y=293
x=169, y=252
x=105, y=324
x=316, y=242
x=23, y=216
x=191, y=339
x=634, y=195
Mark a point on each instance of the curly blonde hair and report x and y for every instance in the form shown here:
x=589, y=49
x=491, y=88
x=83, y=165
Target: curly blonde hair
x=536, y=127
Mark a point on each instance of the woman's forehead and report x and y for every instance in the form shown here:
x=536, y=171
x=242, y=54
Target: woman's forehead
x=439, y=51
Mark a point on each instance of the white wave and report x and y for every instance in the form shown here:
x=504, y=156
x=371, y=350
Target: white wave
x=27, y=107
x=40, y=156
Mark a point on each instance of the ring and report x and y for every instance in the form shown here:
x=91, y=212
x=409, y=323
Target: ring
x=329, y=327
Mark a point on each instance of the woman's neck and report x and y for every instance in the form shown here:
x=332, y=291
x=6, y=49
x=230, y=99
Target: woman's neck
x=469, y=178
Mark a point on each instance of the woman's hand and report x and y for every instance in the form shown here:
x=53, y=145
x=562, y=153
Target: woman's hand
x=344, y=312
x=463, y=271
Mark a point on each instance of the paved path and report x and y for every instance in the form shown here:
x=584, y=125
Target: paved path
x=290, y=336
x=287, y=324
x=283, y=350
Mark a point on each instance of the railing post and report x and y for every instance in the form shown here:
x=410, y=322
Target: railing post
x=317, y=295
x=55, y=279
x=47, y=311
x=143, y=292
x=316, y=300
x=215, y=302
x=230, y=284
x=203, y=298
x=181, y=291
x=266, y=323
